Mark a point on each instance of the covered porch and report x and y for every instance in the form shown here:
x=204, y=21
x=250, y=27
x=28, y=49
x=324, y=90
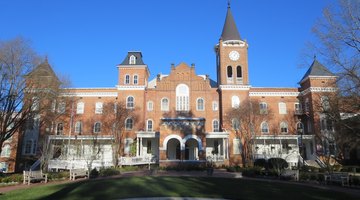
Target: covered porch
x=217, y=146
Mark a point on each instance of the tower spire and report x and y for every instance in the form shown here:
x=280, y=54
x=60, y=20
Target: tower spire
x=230, y=31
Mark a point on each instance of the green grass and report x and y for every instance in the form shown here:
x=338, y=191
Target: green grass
x=147, y=186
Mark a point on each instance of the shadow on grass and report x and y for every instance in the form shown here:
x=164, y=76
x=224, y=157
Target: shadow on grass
x=209, y=187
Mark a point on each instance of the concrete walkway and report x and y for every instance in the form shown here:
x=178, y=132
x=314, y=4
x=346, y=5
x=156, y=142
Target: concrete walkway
x=217, y=173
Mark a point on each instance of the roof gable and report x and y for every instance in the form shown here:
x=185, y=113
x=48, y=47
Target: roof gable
x=316, y=69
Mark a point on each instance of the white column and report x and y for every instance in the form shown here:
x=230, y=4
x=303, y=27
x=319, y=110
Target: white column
x=224, y=145
x=137, y=146
x=141, y=147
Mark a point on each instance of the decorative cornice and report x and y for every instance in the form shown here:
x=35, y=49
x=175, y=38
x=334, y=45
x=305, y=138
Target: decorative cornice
x=274, y=94
x=89, y=94
x=130, y=87
x=234, y=87
x=318, y=89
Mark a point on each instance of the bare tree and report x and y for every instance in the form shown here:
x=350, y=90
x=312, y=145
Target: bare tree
x=17, y=101
x=245, y=120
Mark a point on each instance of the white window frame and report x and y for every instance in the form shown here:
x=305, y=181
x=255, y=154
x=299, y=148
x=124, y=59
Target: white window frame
x=135, y=79
x=235, y=101
x=127, y=123
x=282, y=108
x=58, y=131
x=182, y=97
x=132, y=60
x=215, y=106
x=284, y=125
x=127, y=79
x=263, y=108
x=235, y=124
x=129, y=104
x=297, y=108
x=98, y=107
x=149, y=125
x=150, y=106
x=264, y=124
x=6, y=150
x=165, y=106
x=78, y=127
x=80, y=107
x=97, y=127
x=62, y=107
x=200, y=106
x=237, y=146
x=215, y=125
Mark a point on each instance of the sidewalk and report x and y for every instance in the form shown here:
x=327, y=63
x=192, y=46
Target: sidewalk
x=217, y=173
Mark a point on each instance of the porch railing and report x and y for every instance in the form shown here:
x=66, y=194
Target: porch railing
x=138, y=160
x=77, y=164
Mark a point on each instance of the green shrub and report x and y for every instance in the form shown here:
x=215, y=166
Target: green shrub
x=58, y=175
x=313, y=177
x=94, y=173
x=8, y=178
x=251, y=171
x=260, y=163
x=304, y=176
x=277, y=163
x=109, y=172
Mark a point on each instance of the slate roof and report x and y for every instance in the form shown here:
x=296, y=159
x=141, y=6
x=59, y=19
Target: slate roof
x=230, y=31
x=137, y=54
x=316, y=69
x=43, y=69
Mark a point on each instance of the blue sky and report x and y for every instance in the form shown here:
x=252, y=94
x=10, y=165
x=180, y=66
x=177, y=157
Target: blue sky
x=86, y=39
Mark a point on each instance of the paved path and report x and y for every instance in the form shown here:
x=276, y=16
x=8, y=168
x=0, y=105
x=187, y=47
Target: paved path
x=217, y=173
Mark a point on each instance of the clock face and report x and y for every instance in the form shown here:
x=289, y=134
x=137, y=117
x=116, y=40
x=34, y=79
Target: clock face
x=234, y=55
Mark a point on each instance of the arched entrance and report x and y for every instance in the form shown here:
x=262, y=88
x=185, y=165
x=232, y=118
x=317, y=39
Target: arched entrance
x=173, y=151
x=191, y=149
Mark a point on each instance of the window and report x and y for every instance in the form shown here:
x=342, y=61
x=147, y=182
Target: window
x=78, y=127
x=264, y=127
x=60, y=128
x=283, y=127
x=263, y=108
x=329, y=125
x=182, y=97
x=28, y=146
x=165, y=104
x=235, y=102
x=97, y=127
x=6, y=150
x=282, y=108
x=148, y=146
x=215, y=124
x=238, y=72
x=325, y=104
x=127, y=79
x=115, y=107
x=237, y=147
x=235, y=124
x=4, y=166
x=307, y=105
x=130, y=102
x=61, y=108
x=129, y=124
x=35, y=104
x=150, y=106
x=216, y=147
x=53, y=106
x=98, y=108
x=149, y=126
x=200, y=104
x=229, y=72
x=132, y=60
x=298, y=109
x=135, y=79
x=300, y=128
x=215, y=106
x=80, y=108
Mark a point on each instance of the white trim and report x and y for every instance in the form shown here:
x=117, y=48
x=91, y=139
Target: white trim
x=125, y=79
x=137, y=79
x=197, y=138
x=239, y=43
x=211, y=135
x=197, y=104
x=126, y=102
x=130, y=87
x=318, y=89
x=161, y=104
x=234, y=87
x=89, y=94
x=169, y=137
x=275, y=94
x=147, y=125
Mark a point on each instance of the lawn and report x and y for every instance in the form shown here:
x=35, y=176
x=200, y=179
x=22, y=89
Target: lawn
x=149, y=186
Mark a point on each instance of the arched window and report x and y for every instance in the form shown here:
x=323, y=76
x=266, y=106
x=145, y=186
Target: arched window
x=182, y=97
x=165, y=104
x=264, y=127
x=28, y=146
x=235, y=124
x=132, y=60
x=238, y=72
x=200, y=105
x=215, y=106
x=80, y=108
x=130, y=102
x=129, y=124
x=149, y=125
x=283, y=127
x=229, y=72
x=127, y=79
x=300, y=128
x=282, y=108
x=59, y=128
x=263, y=108
x=97, y=127
x=150, y=105
x=135, y=79
x=215, y=125
x=98, y=107
x=6, y=150
x=78, y=127
x=235, y=102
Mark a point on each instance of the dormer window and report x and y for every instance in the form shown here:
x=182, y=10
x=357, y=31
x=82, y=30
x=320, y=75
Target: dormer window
x=132, y=60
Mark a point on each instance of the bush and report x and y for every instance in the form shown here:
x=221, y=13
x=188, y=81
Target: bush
x=94, y=173
x=260, y=163
x=58, y=175
x=304, y=176
x=277, y=163
x=252, y=172
x=109, y=172
x=11, y=178
x=235, y=168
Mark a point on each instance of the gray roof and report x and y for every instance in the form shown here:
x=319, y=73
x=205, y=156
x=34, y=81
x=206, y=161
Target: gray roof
x=230, y=31
x=137, y=54
x=316, y=69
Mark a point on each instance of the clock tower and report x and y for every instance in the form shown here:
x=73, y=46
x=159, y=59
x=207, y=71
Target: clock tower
x=231, y=55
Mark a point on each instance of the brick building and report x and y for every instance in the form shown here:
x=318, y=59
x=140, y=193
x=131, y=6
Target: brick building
x=183, y=116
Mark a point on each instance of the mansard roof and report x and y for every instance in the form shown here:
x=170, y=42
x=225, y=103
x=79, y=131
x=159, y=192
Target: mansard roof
x=138, y=56
x=230, y=31
x=316, y=69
